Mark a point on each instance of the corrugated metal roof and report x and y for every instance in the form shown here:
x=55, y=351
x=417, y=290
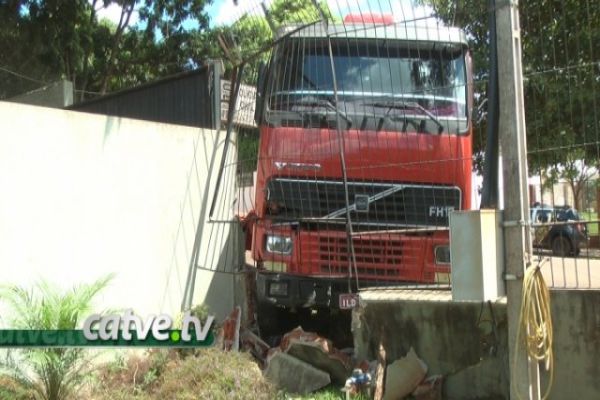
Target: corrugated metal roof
x=190, y=98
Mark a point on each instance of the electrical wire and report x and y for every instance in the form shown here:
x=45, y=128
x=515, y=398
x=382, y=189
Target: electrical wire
x=535, y=323
x=19, y=75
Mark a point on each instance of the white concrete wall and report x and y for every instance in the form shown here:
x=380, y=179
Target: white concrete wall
x=85, y=195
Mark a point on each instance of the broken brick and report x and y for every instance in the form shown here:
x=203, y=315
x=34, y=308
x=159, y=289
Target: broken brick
x=230, y=330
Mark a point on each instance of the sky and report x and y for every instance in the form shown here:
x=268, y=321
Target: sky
x=113, y=13
x=225, y=12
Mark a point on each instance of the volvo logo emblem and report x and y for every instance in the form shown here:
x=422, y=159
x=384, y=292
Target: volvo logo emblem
x=361, y=202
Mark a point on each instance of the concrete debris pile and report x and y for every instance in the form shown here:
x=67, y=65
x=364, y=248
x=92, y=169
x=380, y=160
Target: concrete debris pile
x=256, y=346
x=429, y=389
x=317, y=351
x=407, y=376
x=403, y=376
x=294, y=375
x=305, y=362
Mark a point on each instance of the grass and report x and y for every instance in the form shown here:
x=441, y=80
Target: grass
x=590, y=216
x=169, y=374
x=205, y=374
x=331, y=392
x=11, y=388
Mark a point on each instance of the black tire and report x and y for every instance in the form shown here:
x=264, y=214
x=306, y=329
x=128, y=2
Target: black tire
x=274, y=322
x=561, y=246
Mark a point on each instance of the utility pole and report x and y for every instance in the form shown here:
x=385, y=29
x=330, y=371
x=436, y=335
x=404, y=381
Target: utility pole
x=524, y=373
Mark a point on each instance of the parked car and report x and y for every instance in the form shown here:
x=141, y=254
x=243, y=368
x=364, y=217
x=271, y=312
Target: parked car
x=556, y=229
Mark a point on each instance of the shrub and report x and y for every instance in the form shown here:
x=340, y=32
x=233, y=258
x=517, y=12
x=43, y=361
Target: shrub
x=50, y=373
x=166, y=374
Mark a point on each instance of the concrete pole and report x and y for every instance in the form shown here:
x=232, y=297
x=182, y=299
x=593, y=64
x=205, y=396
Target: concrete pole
x=524, y=373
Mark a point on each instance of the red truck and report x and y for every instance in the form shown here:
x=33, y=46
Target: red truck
x=365, y=133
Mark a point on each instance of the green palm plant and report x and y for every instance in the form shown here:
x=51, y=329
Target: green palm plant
x=48, y=373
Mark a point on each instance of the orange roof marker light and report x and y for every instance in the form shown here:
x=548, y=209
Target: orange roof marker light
x=369, y=18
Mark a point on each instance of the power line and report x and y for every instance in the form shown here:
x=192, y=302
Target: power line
x=21, y=75
x=42, y=82
x=87, y=92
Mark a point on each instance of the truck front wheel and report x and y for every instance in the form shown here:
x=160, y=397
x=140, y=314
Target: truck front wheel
x=273, y=322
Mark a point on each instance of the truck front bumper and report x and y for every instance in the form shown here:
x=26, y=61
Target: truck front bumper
x=293, y=291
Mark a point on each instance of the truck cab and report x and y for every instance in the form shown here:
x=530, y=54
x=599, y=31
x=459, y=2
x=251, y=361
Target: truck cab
x=365, y=150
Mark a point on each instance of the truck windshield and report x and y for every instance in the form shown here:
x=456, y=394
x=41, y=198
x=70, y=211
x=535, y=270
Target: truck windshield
x=370, y=72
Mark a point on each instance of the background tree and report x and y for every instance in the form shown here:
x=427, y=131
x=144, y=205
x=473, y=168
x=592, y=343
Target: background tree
x=251, y=36
x=46, y=40
x=472, y=17
x=577, y=174
x=52, y=39
x=252, y=33
x=561, y=49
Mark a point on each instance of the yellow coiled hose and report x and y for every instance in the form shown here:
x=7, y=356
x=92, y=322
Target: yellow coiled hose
x=535, y=323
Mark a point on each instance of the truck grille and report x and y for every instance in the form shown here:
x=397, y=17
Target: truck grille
x=378, y=256
x=380, y=204
x=334, y=255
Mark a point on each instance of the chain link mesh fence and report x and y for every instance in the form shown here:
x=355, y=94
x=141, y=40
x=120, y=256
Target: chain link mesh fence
x=561, y=69
x=360, y=144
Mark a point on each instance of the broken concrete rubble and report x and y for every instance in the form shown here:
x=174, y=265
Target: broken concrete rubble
x=294, y=375
x=403, y=376
x=429, y=389
x=380, y=373
x=303, y=362
x=300, y=334
x=319, y=352
x=255, y=345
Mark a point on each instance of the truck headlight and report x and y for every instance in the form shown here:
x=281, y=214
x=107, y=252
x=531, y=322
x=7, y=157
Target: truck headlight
x=278, y=289
x=442, y=254
x=279, y=244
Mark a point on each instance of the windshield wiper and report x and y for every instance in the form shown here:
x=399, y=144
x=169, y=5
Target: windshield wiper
x=403, y=105
x=319, y=102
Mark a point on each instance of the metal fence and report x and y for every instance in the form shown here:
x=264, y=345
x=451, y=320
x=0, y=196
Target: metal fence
x=362, y=145
x=560, y=82
x=561, y=69
x=369, y=134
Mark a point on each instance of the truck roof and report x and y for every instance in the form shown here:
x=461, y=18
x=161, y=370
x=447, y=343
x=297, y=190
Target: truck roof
x=398, y=31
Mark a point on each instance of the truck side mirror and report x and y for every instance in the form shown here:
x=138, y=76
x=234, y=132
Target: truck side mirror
x=473, y=112
x=260, y=92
